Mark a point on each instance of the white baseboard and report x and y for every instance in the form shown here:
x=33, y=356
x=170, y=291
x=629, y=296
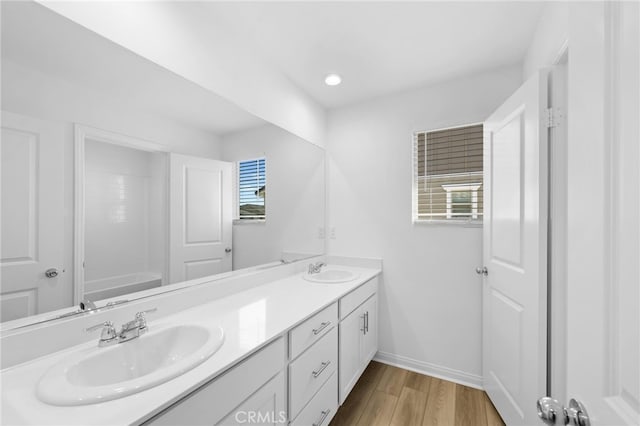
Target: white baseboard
x=445, y=373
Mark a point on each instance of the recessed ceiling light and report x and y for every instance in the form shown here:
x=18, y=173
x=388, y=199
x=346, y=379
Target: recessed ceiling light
x=333, y=80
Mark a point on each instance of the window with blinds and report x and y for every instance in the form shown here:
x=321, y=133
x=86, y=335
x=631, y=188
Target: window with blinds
x=252, y=189
x=447, y=171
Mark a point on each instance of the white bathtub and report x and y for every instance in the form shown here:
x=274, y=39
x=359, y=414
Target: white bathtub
x=105, y=288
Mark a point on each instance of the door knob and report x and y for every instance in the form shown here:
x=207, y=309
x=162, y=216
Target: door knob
x=550, y=411
x=51, y=273
x=482, y=271
x=227, y=250
x=553, y=413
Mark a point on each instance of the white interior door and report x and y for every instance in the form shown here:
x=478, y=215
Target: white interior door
x=514, y=252
x=200, y=217
x=32, y=161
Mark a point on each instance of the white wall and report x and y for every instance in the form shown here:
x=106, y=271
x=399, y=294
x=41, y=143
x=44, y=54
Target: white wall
x=34, y=94
x=183, y=39
x=430, y=296
x=31, y=92
x=551, y=35
x=295, y=195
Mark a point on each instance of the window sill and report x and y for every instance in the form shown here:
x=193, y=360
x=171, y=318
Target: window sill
x=249, y=221
x=447, y=223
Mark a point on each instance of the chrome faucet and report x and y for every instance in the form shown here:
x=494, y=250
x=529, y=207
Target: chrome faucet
x=315, y=268
x=130, y=330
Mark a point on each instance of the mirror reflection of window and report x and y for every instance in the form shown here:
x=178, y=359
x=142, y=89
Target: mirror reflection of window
x=252, y=189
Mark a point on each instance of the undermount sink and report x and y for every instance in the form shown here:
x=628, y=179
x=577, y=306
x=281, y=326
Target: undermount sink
x=102, y=374
x=331, y=276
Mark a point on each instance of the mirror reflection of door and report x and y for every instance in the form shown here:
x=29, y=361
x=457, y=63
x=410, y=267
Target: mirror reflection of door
x=201, y=210
x=32, y=217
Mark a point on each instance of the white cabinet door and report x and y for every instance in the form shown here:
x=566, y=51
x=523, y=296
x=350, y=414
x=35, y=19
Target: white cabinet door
x=265, y=407
x=200, y=217
x=351, y=330
x=358, y=344
x=32, y=165
x=515, y=253
x=370, y=336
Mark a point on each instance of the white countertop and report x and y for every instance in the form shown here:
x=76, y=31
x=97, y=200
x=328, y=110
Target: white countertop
x=250, y=320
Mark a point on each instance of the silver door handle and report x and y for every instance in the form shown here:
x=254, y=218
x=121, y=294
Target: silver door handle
x=322, y=327
x=321, y=369
x=227, y=250
x=324, y=415
x=482, y=271
x=51, y=273
x=553, y=413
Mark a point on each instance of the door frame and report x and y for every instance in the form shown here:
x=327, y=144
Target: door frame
x=600, y=392
x=557, y=229
x=599, y=148
x=81, y=134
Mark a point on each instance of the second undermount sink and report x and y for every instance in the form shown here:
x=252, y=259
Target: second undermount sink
x=102, y=374
x=331, y=276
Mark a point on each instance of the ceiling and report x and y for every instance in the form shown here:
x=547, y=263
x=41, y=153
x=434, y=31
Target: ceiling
x=381, y=47
x=38, y=38
x=378, y=48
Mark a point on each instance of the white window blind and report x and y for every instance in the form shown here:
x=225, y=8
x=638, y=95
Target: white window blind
x=447, y=170
x=252, y=189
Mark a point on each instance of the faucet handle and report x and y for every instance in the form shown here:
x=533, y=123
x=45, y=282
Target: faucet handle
x=108, y=334
x=141, y=318
x=103, y=325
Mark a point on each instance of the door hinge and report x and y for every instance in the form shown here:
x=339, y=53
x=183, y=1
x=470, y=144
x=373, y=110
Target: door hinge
x=553, y=117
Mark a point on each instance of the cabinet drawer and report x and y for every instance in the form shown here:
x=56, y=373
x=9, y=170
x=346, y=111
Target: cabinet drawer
x=312, y=329
x=322, y=407
x=213, y=401
x=354, y=299
x=308, y=373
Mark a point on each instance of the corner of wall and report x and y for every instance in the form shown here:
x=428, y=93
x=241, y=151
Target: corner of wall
x=549, y=40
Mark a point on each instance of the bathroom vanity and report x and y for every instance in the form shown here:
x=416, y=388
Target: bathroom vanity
x=292, y=351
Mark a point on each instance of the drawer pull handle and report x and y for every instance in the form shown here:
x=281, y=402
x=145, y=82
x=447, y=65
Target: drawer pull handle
x=321, y=369
x=366, y=323
x=322, y=327
x=325, y=413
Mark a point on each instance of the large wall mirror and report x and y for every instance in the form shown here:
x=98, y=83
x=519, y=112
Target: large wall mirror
x=120, y=177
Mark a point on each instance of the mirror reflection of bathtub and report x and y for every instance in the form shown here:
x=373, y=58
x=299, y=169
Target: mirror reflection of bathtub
x=124, y=220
